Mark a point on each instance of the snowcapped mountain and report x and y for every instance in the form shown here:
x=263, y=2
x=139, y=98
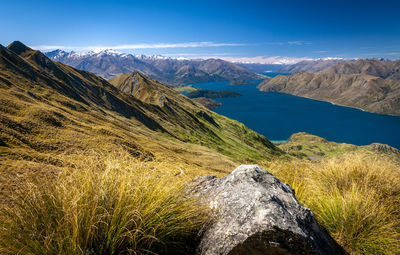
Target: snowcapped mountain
x=110, y=63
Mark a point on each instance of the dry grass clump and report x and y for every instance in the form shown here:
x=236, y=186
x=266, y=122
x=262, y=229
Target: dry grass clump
x=102, y=204
x=355, y=196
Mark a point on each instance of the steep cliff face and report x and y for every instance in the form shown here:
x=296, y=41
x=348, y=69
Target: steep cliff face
x=370, y=85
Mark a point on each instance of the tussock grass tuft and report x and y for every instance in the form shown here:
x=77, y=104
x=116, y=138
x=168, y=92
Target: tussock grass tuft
x=102, y=204
x=355, y=196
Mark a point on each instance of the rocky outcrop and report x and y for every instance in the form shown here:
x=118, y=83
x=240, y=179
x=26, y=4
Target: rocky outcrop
x=384, y=148
x=255, y=213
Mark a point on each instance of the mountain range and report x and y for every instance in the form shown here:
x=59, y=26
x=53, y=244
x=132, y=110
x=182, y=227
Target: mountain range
x=309, y=65
x=97, y=140
x=109, y=64
x=312, y=66
x=368, y=84
x=49, y=109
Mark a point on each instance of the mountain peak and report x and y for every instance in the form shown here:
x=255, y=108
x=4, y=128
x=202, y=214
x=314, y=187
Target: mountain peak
x=138, y=74
x=142, y=87
x=18, y=47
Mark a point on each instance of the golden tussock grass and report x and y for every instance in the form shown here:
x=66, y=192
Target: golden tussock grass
x=355, y=196
x=102, y=204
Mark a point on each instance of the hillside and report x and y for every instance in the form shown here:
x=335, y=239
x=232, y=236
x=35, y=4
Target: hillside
x=311, y=66
x=79, y=153
x=262, y=68
x=109, y=64
x=50, y=110
x=370, y=85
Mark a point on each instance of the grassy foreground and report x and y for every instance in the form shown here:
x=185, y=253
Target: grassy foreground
x=86, y=169
x=102, y=204
x=355, y=196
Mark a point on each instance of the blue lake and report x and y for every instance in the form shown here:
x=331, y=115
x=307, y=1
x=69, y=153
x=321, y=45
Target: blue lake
x=278, y=115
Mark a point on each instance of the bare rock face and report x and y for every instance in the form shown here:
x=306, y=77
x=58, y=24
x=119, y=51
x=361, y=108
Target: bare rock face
x=255, y=213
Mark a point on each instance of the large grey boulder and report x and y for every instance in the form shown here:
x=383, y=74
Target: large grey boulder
x=255, y=213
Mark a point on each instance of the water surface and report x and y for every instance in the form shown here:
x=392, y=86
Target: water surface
x=278, y=115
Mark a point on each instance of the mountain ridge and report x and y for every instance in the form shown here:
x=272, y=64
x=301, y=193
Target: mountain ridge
x=109, y=64
x=49, y=109
x=370, y=85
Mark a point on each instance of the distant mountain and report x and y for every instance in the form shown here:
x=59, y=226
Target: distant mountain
x=109, y=64
x=262, y=68
x=285, y=67
x=368, y=84
x=48, y=108
x=312, y=66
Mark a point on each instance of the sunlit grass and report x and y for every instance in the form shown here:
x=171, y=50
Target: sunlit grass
x=102, y=204
x=355, y=196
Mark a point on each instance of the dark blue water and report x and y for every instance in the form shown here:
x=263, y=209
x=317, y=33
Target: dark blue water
x=277, y=116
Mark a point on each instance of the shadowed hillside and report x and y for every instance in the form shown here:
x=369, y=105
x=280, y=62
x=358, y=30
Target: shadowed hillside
x=50, y=110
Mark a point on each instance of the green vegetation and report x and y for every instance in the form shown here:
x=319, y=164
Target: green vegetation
x=102, y=204
x=186, y=89
x=207, y=102
x=88, y=169
x=212, y=94
x=355, y=196
x=307, y=146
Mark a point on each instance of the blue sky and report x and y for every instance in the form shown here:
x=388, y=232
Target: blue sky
x=229, y=29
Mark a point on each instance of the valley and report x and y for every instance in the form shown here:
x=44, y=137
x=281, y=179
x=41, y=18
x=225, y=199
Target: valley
x=206, y=127
x=279, y=115
x=74, y=145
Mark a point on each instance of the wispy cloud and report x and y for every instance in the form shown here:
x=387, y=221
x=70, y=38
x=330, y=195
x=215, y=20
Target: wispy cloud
x=236, y=59
x=266, y=60
x=320, y=51
x=138, y=46
x=298, y=42
x=290, y=43
x=382, y=54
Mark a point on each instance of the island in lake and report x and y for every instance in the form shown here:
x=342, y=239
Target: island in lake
x=212, y=94
x=244, y=82
x=186, y=89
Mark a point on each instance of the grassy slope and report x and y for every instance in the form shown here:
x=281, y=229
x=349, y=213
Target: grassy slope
x=50, y=111
x=56, y=119
x=314, y=148
x=205, y=127
x=186, y=89
x=353, y=190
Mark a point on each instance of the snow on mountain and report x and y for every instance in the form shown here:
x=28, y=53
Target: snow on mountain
x=110, y=63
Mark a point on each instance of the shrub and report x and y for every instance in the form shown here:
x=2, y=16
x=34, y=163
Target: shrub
x=355, y=196
x=102, y=204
